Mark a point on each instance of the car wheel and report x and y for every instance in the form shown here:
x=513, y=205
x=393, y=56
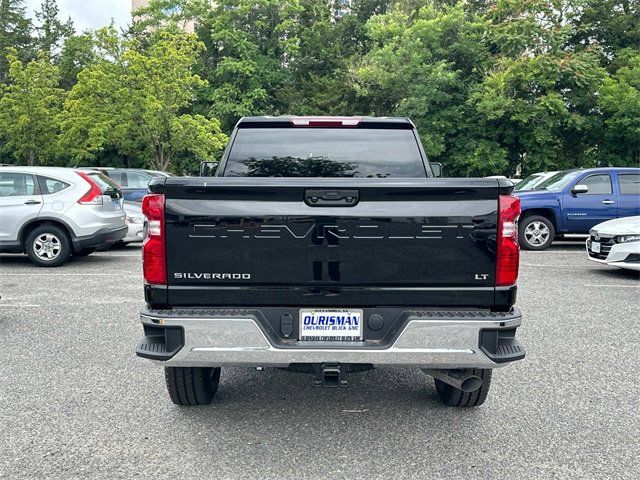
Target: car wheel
x=536, y=232
x=189, y=386
x=48, y=246
x=454, y=397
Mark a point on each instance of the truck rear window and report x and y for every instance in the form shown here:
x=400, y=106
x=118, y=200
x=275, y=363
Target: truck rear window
x=324, y=152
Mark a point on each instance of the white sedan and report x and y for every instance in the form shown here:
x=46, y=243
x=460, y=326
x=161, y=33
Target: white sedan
x=616, y=243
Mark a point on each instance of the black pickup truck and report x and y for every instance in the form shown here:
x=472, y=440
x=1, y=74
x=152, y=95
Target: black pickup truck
x=327, y=245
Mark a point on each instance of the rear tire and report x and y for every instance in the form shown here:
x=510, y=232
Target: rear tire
x=536, y=232
x=48, y=246
x=190, y=386
x=454, y=397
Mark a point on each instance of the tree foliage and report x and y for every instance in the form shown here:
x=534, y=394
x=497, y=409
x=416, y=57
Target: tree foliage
x=619, y=101
x=15, y=33
x=494, y=86
x=134, y=99
x=52, y=32
x=29, y=110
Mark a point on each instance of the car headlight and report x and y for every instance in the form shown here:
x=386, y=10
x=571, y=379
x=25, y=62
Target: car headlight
x=135, y=220
x=627, y=238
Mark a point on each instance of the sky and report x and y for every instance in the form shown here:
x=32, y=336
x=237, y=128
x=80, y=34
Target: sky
x=89, y=14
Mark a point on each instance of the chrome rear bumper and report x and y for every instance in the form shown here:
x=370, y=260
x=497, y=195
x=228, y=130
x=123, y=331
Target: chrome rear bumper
x=451, y=342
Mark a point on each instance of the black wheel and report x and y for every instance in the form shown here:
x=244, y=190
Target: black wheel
x=84, y=252
x=454, y=397
x=48, y=246
x=189, y=386
x=536, y=232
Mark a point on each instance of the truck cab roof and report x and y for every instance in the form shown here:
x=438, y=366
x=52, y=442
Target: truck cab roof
x=287, y=121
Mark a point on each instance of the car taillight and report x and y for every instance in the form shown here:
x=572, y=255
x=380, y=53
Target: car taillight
x=154, y=260
x=94, y=195
x=325, y=121
x=508, y=247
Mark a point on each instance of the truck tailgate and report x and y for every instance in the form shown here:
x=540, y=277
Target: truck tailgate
x=331, y=242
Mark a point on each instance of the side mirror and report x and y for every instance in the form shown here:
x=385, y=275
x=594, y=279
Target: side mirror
x=209, y=169
x=436, y=168
x=580, y=188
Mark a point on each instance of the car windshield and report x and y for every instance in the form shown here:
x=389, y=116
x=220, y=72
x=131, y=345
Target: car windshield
x=528, y=182
x=558, y=181
x=324, y=152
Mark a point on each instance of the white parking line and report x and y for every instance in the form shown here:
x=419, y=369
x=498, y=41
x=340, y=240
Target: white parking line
x=554, y=265
x=19, y=305
x=565, y=252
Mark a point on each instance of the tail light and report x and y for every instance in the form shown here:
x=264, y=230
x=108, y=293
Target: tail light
x=154, y=260
x=508, y=247
x=325, y=121
x=94, y=195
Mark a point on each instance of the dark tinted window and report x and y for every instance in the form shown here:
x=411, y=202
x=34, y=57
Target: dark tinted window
x=16, y=184
x=598, y=184
x=51, y=185
x=324, y=152
x=629, y=183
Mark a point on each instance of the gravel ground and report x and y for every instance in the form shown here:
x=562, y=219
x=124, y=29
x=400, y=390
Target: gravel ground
x=76, y=402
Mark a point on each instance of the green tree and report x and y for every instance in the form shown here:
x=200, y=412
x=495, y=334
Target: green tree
x=52, y=32
x=166, y=14
x=29, y=110
x=249, y=47
x=540, y=97
x=425, y=64
x=77, y=54
x=15, y=32
x=611, y=26
x=619, y=101
x=136, y=100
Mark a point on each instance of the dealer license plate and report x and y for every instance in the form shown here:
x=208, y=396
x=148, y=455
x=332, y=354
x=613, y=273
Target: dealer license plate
x=595, y=247
x=331, y=324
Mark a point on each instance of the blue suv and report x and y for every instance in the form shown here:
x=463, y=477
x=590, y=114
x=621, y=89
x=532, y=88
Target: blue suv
x=573, y=201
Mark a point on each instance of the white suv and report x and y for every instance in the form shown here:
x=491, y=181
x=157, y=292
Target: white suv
x=51, y=213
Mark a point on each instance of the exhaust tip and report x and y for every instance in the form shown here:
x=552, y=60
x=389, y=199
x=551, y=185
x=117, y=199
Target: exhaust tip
x=471, y=384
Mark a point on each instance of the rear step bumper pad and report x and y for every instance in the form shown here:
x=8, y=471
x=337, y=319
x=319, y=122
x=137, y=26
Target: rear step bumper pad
x=434, y=339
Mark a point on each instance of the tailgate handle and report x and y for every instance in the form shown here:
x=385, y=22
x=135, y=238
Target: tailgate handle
x=331, y=198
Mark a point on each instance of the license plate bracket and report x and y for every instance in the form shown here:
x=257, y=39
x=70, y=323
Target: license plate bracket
x=331, y=324
x=595, y=247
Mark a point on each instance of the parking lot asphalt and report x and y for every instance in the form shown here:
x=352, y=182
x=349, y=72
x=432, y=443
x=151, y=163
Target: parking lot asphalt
x=75, y=402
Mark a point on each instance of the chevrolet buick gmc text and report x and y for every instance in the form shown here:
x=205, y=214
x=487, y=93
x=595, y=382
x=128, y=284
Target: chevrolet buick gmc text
x=326, y=245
